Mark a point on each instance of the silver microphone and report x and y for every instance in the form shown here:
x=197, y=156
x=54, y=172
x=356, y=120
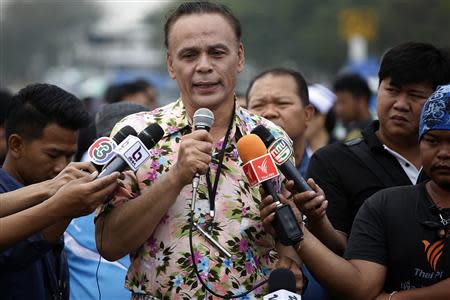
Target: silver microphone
x=203, y=119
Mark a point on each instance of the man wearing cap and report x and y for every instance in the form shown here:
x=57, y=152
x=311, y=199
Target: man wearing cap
x=388, y=153
x=399, y=244
x=320, y=129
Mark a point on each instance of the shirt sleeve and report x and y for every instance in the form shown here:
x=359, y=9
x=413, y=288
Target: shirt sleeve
x=368, y=239
x=322, y=170
x=25, y=252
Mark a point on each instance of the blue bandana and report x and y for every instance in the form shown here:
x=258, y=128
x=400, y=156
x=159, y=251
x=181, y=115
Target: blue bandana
x=436, y=111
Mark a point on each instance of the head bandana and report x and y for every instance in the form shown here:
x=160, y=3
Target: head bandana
x=436, y=111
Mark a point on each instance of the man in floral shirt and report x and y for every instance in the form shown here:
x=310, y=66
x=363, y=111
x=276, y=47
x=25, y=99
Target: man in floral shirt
x=204, y=56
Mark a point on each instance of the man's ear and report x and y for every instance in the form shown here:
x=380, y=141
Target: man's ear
x=241, y=57
x=309, y=112
x=169, y=62
x=15, y=145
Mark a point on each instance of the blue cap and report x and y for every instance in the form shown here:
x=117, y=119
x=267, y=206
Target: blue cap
x=436, y=111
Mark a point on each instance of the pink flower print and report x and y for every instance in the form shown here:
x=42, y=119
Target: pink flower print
x=197, y=257
x=244, y=211
x=243, y=245
x=164, y=219
x=249, y=267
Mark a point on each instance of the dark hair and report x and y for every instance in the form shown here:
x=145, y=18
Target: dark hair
x=118, y=92
x=5, y=100
x=354, y=84
x=201, y=7
x=37, y=105
x=414, y=62
x=302, y=86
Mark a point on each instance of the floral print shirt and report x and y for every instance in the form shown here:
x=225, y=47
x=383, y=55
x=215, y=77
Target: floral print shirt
x=162, y=267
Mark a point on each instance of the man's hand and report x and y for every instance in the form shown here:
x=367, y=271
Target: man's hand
x=72, y=171
x=267, y=211
x=288, y=263
x=82, y=196
x=311, y=203
x=194, y=155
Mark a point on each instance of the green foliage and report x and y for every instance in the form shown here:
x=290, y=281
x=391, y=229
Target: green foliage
x=304, y=34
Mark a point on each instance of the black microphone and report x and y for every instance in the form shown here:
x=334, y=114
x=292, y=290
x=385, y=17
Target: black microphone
x=282, y=285
x=102, y=150
x=123, y=133
x=278, y=149
x=132, y=151
x=203, y=119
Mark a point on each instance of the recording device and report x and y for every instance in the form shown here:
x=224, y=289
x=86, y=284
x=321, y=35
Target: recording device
x=101, y=152
x=203, y=119
x=281, y=151
x=259, y=167
x=132, y=151
x=282, y=285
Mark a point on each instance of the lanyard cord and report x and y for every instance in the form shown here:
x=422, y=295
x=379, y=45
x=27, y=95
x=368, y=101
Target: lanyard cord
x=212, y=190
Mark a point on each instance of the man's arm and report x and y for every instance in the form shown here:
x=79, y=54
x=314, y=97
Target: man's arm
x=437, y=291
x=70, y=201
x=126, y=227
x=353, y=279
x=313, y=204
x=28, y=196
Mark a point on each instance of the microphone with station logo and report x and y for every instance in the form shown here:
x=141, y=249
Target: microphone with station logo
x=132, y=152
x=260, y=168
x=282, y=285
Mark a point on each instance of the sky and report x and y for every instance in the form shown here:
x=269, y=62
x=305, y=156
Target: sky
x=119, y=15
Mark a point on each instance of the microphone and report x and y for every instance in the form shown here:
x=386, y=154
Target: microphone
x=203, y=119
x=259, y=167
x=282, y=285
x=101, y=152
x=132, y=151
x=281, y=151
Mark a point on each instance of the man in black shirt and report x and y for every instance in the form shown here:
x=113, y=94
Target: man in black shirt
x=399, y=244
x=388, y=153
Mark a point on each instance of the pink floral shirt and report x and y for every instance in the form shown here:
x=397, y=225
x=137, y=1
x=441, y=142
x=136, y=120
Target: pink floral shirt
x=162, y=267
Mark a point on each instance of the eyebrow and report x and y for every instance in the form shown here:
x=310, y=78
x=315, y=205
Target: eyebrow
x=196, y=48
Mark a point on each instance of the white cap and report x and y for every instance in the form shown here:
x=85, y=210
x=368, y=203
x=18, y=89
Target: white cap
x=321, y=97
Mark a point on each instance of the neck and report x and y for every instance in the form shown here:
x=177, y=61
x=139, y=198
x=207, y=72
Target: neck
x=222, y=117
x=8, y=166
x=440, y=196
x=299, y=150
x=319, y=140
x=364, y=115
x=407, y=147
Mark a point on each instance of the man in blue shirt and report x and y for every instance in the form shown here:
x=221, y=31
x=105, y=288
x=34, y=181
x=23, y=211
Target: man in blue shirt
x=42, y=130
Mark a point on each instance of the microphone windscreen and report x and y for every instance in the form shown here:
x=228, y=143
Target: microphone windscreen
x=203, y=118
x=264, y=134
x=151, y=135
x=282, y=279
x=123, y=133
x=250, y=147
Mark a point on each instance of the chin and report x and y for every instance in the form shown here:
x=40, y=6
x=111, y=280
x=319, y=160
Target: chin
x=443, y=184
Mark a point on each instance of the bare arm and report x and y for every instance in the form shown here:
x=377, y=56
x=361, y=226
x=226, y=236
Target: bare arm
x=126, y=227
x=313, y=204
x=354, y=279
x=437, y=291
x=70, y=201
x=28, y=196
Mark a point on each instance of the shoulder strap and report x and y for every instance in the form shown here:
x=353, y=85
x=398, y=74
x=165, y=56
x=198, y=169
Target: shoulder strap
x=361, y=150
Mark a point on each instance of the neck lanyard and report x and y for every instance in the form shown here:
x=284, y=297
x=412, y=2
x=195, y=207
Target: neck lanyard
x=213, y=189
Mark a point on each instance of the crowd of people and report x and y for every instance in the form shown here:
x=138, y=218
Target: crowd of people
x=188, y=224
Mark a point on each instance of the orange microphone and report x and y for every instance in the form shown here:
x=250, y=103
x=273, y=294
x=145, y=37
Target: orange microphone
x=259, y=167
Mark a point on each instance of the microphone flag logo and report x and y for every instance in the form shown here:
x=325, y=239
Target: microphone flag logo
x=102, y=151
x=133, y=152
x=281, y=151
x=260, y=169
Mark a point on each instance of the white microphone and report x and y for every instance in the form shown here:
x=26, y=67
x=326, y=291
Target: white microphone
x=203, y=119
x=282, y=285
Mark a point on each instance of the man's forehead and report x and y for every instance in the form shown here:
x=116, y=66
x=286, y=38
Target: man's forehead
x=188, y=29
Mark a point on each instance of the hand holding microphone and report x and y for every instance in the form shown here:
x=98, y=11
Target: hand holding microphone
x=260, y=168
